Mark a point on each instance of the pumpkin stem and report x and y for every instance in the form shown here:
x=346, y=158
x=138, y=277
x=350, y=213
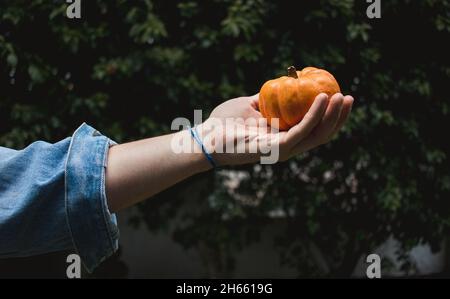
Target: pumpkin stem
x=292, y=72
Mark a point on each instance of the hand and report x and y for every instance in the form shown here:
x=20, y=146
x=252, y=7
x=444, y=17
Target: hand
x=323, y=120
x=137, y=170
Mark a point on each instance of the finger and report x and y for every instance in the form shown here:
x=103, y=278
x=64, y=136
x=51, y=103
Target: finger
x=330, y=118
x=326, y=126
x=255, y=114
x=311, y=120
x=254, y=101
x=254, y=104
x=345, y=113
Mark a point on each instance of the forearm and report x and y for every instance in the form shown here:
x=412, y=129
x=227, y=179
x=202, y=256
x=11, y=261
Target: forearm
x=140, y=169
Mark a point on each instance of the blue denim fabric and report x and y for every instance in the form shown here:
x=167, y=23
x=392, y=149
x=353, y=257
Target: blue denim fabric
x=52, y=198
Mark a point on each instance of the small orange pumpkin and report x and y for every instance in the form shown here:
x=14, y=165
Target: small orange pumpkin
x=288, y=98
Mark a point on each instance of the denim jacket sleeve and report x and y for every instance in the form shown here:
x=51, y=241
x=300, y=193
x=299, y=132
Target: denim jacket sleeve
x=52, y=198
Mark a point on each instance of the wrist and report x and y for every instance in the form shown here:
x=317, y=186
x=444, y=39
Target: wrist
x=209, y=133
x=191, y=151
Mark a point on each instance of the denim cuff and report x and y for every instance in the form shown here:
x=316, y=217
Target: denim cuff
x=93, y=228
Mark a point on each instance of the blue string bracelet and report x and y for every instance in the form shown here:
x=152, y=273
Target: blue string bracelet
x=208, y=156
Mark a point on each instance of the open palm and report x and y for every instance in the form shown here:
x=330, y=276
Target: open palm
x=241, y=128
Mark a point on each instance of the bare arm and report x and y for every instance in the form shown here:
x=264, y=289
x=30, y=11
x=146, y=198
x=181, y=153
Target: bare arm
x=140, y=169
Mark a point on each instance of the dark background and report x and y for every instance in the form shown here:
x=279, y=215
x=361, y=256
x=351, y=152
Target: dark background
x=128, y=68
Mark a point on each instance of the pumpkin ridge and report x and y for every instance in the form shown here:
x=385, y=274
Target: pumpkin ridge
x=286, y=113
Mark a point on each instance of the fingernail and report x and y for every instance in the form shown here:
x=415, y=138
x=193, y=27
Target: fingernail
x=338, y=97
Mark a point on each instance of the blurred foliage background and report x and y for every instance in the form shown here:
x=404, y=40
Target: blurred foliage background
x=129, y=68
